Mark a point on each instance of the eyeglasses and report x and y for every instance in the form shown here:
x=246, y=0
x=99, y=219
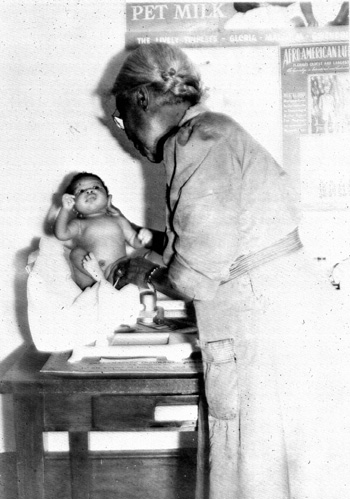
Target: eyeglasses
x=118, y=121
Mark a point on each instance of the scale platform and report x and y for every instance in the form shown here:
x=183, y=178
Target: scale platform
x=162, y=347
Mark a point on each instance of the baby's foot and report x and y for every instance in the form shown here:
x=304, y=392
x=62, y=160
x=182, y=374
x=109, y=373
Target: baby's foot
x=92, y=266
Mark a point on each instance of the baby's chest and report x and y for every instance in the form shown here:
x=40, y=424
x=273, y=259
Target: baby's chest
x=101, y=229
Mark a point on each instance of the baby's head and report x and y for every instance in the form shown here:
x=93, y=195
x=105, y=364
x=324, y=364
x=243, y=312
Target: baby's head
x=90, y=193
x=80, y=176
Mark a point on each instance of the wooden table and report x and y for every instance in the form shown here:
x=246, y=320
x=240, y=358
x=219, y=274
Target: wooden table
x=79, y=404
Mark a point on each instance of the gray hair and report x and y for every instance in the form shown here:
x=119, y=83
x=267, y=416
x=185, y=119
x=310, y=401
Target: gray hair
x=161, y=67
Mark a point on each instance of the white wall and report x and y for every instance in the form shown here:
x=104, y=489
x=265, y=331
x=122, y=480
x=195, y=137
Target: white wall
x=56, y=59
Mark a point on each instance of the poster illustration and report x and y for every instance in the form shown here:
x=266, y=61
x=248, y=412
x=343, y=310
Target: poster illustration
x=229, y=24
x=329, y=99
x=316, y=121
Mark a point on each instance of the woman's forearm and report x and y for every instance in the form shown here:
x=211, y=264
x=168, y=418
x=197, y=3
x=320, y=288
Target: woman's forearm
x=158, y=277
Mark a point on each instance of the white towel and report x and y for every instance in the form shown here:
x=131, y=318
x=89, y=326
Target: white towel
x=61, y=315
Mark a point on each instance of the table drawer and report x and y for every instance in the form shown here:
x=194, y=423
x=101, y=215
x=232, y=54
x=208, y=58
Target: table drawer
x=67, y=412
x=125, y=412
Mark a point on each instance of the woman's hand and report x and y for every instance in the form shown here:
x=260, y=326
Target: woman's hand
x=112, y=210
x=130, y=271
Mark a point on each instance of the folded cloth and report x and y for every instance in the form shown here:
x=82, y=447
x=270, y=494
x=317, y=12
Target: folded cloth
x=246, y=263
x=61, y=315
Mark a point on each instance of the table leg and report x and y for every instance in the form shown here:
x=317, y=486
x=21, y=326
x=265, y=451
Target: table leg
x=79, y=464
x=202, y=478
x=28, y=419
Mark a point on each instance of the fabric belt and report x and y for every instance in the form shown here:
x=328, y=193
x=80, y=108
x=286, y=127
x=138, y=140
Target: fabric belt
x=286, y=245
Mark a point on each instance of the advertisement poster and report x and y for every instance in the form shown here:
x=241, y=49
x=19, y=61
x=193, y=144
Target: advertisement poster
x=316, y=122
x=229, y=24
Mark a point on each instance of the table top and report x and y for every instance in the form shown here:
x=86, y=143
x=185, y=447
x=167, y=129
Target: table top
x=28, y=376
x=92, y=367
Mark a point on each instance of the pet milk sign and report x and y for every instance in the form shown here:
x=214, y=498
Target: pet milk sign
x=220, y=24
x=178, y=23
x=176, y=11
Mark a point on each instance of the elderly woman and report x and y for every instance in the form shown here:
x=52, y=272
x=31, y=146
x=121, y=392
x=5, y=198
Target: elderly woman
x=270, y=328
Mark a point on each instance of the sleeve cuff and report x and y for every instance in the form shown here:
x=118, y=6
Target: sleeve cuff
x=191, y=283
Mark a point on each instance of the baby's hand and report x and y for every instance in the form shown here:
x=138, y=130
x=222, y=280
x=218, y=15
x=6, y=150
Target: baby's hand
x=68, y=201
x=144, y=236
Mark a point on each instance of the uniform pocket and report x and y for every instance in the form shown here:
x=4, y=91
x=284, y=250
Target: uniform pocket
x=220, y=374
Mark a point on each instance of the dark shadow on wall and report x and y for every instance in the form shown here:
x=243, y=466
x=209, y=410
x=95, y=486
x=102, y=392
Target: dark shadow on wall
x=153, y=174
x=20, y=285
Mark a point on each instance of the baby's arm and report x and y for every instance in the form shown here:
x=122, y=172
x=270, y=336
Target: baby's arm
x=65, y=229
x=136, y=239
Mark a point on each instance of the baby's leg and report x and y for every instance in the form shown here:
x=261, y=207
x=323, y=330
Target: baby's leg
x=92, y=266
x=81, y=276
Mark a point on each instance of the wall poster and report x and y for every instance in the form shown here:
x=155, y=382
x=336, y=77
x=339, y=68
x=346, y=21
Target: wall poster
x=230, y=24
x=316, y=121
